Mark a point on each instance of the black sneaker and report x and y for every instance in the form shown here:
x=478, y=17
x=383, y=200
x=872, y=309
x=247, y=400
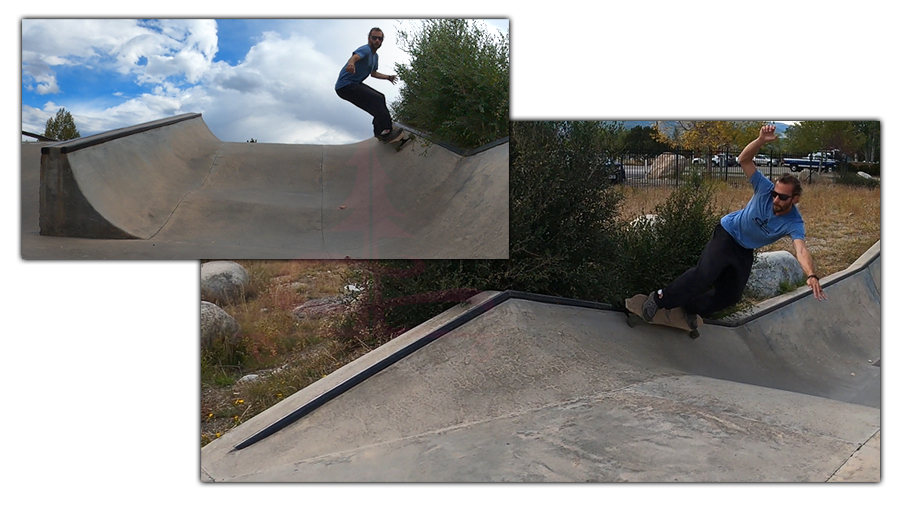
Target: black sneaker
x=648, y=311
x=395, y=131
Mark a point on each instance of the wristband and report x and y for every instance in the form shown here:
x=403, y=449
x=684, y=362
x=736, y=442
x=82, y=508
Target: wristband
x=812, y=276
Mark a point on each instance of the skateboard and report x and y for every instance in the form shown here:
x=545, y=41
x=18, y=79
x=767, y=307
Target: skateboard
x=401, y=140
x=674, y=318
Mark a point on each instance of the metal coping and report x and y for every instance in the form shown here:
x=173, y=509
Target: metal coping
x=37, y=136
x=103, y=137
x=482, y=308
x=453, y=148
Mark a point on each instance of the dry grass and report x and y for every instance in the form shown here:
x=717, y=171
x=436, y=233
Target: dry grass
x=289, y=354
x=842, y=222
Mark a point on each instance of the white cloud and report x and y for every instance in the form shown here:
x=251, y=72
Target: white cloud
x=282, y=90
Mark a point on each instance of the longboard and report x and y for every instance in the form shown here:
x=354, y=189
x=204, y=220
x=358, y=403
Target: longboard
x=674, y=318
x=400, y=141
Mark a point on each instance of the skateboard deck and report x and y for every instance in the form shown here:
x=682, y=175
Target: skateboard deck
x=674, y=318
x=400, y=141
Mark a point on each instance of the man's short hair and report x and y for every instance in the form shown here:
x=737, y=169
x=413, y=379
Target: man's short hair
x=788, y=178
x=375, y=29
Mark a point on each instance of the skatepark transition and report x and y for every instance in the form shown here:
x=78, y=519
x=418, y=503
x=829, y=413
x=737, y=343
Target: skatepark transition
x=515, y=387
x=171, y=189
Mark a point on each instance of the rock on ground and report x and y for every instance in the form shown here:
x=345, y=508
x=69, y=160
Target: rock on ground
x=216, y=325
x=315, y=308
x=223, y=282
x=770, y=271
x=668, y=165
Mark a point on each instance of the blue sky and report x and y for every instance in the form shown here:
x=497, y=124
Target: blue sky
x=267, y=79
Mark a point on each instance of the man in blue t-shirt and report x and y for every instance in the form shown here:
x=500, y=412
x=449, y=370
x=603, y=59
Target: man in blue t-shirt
x=720, y=276
x=349, y=86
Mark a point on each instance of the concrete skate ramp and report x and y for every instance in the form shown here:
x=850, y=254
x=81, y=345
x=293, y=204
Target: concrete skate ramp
x=176, y=191
x=517, y=387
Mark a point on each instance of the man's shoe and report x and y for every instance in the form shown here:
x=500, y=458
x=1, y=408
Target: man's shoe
x=392, y=135
x=648, y=311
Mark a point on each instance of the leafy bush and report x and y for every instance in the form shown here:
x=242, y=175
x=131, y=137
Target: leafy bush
x=564, y=236
x=457, y=83
x=657, y=252
x=564, y=227
x=397, y=295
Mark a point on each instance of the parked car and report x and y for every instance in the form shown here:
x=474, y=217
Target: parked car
x=725, y=160
x=833, y=154
x=809, y=162
x=762, y=159
x=718, y=160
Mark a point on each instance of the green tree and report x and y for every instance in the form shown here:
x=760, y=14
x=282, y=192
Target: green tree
x=871, y=148
x=813, y=136
x=641, y=140
x=457, y=83
x=62, y=127
x=706, y=136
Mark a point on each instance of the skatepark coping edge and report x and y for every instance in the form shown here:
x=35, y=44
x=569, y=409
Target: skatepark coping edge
x=68, y=146
x=392, y=352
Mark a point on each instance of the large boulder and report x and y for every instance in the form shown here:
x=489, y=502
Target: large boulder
x=216, y=325
x=770, y=271
x=668, y=165
x=223, y=282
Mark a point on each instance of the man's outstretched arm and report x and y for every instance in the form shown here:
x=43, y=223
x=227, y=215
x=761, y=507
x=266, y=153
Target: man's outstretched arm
x=766, y=135
x=806, y=262
x=379, y=75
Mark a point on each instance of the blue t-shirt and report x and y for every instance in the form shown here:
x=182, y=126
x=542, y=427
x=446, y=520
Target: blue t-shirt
x=364, y=67
x=757, y=225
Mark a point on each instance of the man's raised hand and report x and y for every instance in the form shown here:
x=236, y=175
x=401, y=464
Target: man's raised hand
x=767, y=133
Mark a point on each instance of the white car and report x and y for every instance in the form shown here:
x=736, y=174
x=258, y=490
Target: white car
x=762, y=159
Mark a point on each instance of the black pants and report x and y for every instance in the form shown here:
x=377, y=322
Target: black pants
x=370, y=100
x=718, y=280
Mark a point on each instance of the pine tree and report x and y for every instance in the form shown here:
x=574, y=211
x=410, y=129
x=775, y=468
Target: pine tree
x=62, y=127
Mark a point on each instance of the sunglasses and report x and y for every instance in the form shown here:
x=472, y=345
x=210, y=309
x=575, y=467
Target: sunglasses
x=781, y=196
x=377, y=38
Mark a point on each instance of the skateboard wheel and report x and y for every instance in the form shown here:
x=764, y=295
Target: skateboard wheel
x=695, y=334
x=632, y=320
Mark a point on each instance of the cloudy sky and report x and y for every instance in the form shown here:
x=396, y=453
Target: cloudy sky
x=268, y=79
